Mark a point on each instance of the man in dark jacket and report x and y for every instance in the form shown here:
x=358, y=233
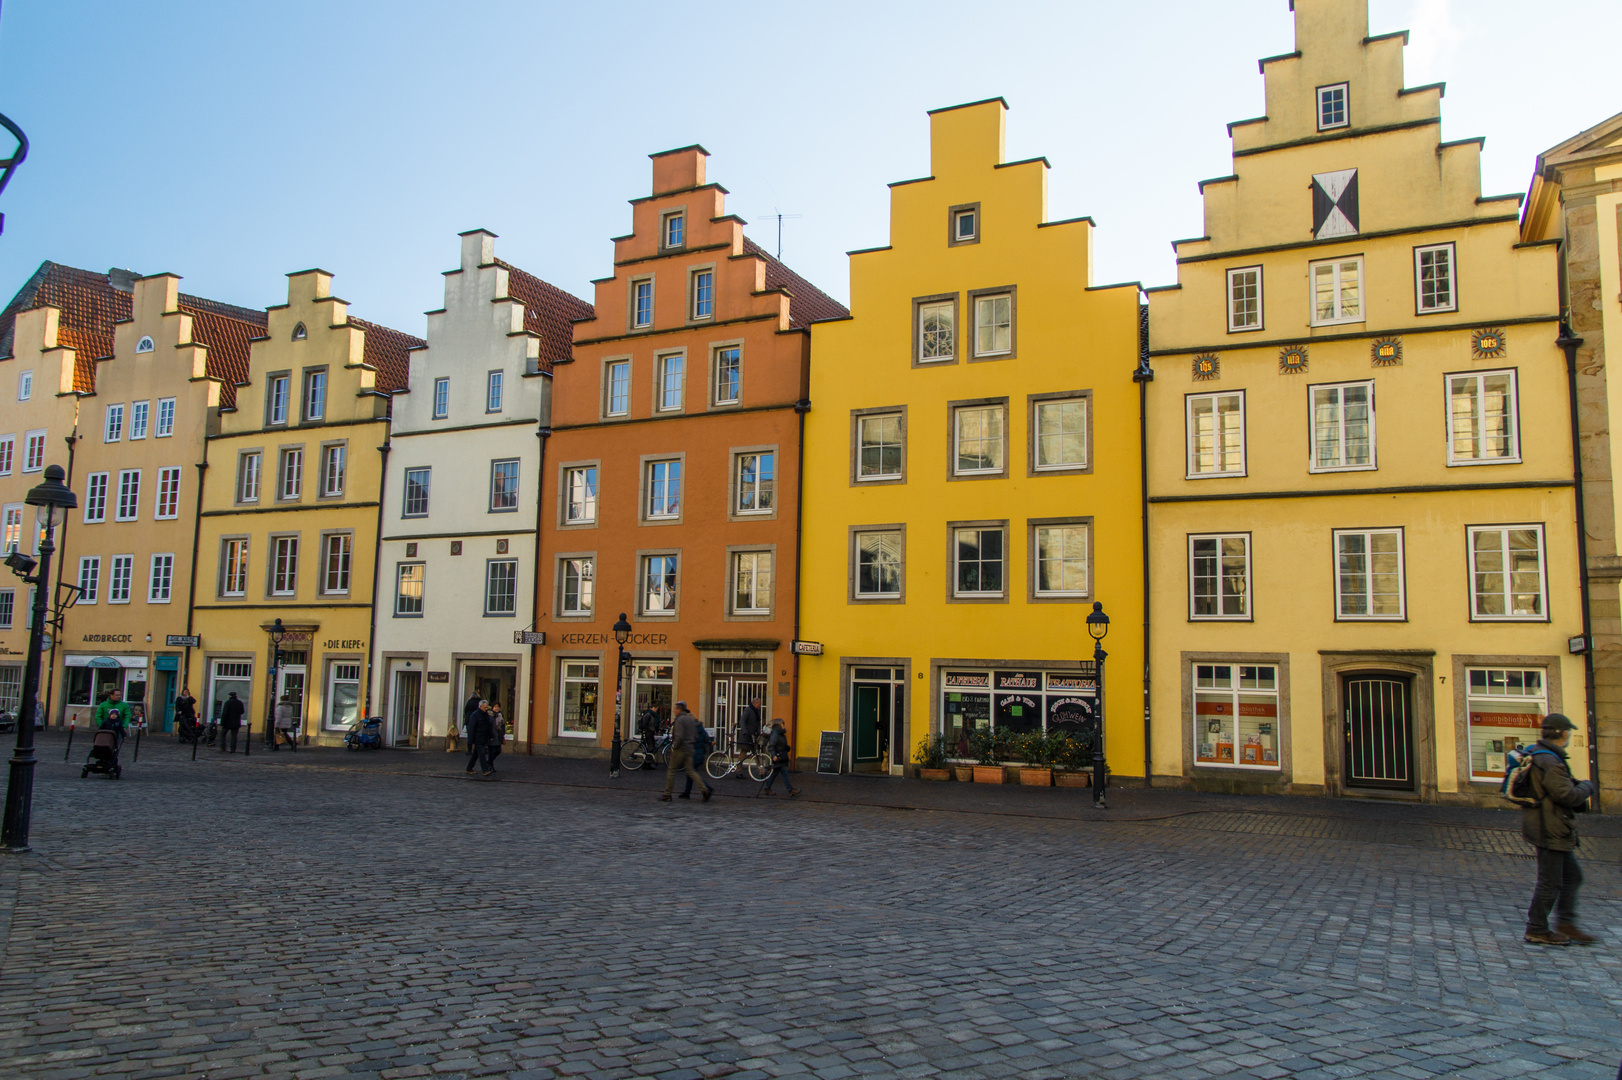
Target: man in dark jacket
x=230, y=721
x=702, y=745
x=1551, y=827
x=480, y=728
x=779, y=749
x=683, y=737
x=749, y=726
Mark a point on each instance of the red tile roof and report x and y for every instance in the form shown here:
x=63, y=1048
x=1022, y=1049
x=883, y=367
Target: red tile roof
x=389, y=351
x=226, y=337
x=89, y=306
x=549, y=312
x=807, y=303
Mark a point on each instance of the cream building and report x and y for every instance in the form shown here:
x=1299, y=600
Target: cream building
x=456, y=580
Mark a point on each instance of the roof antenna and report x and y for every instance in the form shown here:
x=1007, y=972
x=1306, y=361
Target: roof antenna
x=780, y=216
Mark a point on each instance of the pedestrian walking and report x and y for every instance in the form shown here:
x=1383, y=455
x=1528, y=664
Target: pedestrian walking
x=478, y=739
x=498, y=734
x=684, y=730
x=702, y=745
x=1550, y=826
x=286, y=725
x=230, y=721
x=186, y=713
x=749, y=726
x=778, y=748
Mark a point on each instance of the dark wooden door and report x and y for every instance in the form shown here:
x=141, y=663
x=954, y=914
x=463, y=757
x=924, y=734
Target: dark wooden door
x=1379, y=733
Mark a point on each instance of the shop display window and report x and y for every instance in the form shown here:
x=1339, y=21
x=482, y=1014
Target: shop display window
x=655, y=689
x=1236, y=715
x=578, y=715
x=1013, y=701
x=1506, y=707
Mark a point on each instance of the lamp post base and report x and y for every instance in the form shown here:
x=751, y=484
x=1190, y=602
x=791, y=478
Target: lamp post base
x=19, y=801
x=614, y=759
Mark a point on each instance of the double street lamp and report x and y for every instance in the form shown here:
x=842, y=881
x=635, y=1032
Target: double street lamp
x=1098, y=627
x=622, y=635
x=54, y=501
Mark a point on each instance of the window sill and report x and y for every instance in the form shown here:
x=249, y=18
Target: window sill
x=1245, y=329
x=1216, y=476
x=1338, y=322
x=1221, y=618
x=1509, y=618
x=1342, y=469
x=884, y=599
x=1474, y=464
x=1061, y=470
x=1225, y=766
x=1422, y=312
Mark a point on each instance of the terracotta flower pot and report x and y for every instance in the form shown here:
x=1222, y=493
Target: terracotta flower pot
x=1073, y=779
x=1036, y=777
x=935, y=774
x=964, y=773
x=988, y=774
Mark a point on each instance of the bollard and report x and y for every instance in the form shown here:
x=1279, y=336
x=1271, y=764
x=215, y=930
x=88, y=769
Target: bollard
x=196, y=737
x=138, y=729
x=69, y=750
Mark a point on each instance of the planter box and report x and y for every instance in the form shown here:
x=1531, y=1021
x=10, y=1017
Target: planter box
x=965, y=773
x=1073, y=779
x=1036, y=777
x=988, y=774
x=935, y=774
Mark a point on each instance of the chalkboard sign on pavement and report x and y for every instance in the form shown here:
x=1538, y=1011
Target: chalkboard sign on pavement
x=832, y=751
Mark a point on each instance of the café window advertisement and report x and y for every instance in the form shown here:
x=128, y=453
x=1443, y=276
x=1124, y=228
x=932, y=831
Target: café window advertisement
x=1236, y=715
x=1506, y=707
x=1015, y=701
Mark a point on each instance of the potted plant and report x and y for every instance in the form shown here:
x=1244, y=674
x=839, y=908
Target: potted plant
x=1035, y=750
x=931, y=758
x=989, y=748
x=1073, y=755
x=957, y=754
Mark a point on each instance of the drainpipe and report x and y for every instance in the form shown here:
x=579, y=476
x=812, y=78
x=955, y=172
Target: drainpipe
x=50, y=668
x=1569, y=343
x=545, y=435
x=801, y=407
x=1143, y=376
x=377, y=562
x=196, y=557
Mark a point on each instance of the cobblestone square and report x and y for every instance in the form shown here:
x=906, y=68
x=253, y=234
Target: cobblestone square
x=334, y=915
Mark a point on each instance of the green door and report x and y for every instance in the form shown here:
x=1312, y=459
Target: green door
x=865, y=729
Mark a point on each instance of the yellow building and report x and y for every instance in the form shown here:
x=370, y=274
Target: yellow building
x=289, y=523
x=1365, y=569
x=1576, y=201
x=972, y=481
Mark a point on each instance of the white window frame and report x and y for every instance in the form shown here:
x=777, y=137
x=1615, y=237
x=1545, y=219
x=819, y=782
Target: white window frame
x=923, y=308
x=1533, y=706
x=89, y=579
x=420, y=570
x=334, y=469
x=1002, y=562
x=250, y=470
x=33, y=451
x=958, y=412
x=1513, y=412
x=168, y=506
x=315, y=395
x=140, y=413
x=1247, y=595
x=160, y=572
x=1085, y=559
x=703, y=294
x=1315, y=463
x=234, y=578
x=1085, y=402
x=643, y=569
x=900, y=565
x=345, y=673
x=1367, y=593
x=1506, y=592
x=1233, y=712
x=1236, y=324
x=426, y=485
x=988, y=301
x=494, y=390
x=722, y=365
x=8, y=454
x=112, y=429
x=581, y=510
x=1452, y=302
x=442, y=398
x=8, y=609
x=514, y=495
x=284, y=557
x=1189, y=401
x=337, y=563
x=759, y=597
x=120, y=579
x=165, y=426
x=290, y=473
x=862, y=444
x=673, y=230
x=671, y=510
x=584, y=571
x=617, y=376
x=641, y=314
x=13, y=535
x=672, y=381
x=129, y=496
x=95, y=498
x=1323, y=95
x=276, y=392
x=761, y=485
x=972, y=216
x=511, y=566
x=1336, y=267
x=25, y=385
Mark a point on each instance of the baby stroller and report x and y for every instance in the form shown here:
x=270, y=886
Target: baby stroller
x=104, y=754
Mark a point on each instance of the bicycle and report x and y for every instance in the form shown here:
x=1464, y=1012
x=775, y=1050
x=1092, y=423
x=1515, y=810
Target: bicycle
x=634, y=754
x=753, y=759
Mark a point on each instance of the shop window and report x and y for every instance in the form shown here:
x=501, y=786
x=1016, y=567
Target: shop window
x=1506, y=707
x=1219, y=576
x=166, y=418
x=414, y=502
x=1216, y=434
x=501, y=587
x=1236, y=718
x=728, y=375
x=978, y=562
x=936, y=330
x=577, y=585
x=168, y=493
x=226, y=678
x=88, y=686
x=880, y=448
x=248, y=476
x=1013, y=701
x=878, y=564
x=1433, y=279
x=1245, y=298
x=1333, y=111
x=408, y=591
x=978, y=443
x=95, y=507
x=1507, y=573
x=113, y=430
x=138, y=417
x=756, y=483
x=580, y=495
x=1369, y=574
x=343, y=695
x=659, y=583
x=752, y=583
x=1337, y=291
x=577, y=713
x=11, y=688
x=1343, y=427
x=655, y=690
x=1482, y=426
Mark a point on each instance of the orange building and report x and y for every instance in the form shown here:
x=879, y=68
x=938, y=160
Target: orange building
x=670, y=476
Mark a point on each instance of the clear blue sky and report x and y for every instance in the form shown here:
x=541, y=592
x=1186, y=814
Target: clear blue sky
x=234, y=141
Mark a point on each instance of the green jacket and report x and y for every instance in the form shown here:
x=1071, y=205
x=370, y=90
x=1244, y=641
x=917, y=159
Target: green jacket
x=1552, y=823
x=100, y=715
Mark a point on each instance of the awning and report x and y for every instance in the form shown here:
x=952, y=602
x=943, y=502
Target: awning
x=87, y=660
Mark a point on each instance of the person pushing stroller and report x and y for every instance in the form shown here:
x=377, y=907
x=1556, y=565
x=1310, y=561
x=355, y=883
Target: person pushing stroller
x=112, y=715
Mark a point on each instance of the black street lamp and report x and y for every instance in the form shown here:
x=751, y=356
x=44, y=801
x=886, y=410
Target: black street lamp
x=1098, y=627
x=277, y=632
x=54, y=501
x=622, y=634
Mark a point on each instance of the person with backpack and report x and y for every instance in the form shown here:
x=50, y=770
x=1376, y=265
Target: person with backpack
x=778, y=748
x=702, y=745
x=498, y=733
x=1542, y=785
x=684, y=729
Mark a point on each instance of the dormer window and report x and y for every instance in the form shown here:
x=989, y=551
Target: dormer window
x=144, y=345
x=675, y=231
x=299, y=333
x=1332, y=107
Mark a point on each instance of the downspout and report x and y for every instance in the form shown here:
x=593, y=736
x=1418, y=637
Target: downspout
x=1569, y=343
x=801, y=407
x=544, y=433
x=50, y=670
x=1143, y=376
x=196, y=557
x=377, y=562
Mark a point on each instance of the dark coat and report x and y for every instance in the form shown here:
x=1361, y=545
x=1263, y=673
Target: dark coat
x=1552, y=823
x=480, y=729
x=684, y=731
x=777, y=746
x=470, y=708
x=749, y=721
x=702, y=743
x=185, y=707
x=231, y=713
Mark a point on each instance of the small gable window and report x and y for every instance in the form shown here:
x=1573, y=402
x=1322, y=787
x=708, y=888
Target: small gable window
x=299, y=333
x=144, y=345
x=1332, y=107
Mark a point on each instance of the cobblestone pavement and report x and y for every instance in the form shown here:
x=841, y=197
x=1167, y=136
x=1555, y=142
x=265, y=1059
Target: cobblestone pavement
x=331, y=915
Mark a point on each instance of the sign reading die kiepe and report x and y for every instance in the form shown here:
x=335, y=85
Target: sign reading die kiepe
x=183, y=641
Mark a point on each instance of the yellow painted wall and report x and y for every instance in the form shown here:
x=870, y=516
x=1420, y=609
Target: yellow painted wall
x=1066, y=338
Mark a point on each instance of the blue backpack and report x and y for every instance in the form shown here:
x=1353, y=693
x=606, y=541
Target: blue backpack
x=1517, y=785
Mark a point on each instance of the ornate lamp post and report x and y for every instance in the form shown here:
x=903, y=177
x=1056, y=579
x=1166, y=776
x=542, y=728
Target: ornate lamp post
x=54, y=500
x=1098, y=627
x=277, y=632
x=622, y=634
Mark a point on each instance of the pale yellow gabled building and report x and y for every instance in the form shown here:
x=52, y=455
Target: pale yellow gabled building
x=971, y=479
x=1362, y=513
x=289, y=523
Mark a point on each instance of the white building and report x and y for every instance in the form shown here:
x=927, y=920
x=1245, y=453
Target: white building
x=456, y=566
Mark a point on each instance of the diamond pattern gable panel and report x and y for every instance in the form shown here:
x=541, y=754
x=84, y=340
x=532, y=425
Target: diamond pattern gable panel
x=1334, y=204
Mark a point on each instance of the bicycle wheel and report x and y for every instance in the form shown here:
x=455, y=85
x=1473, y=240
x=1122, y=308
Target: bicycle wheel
x=718, y=764
x=632, y=756
x=760, y=767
